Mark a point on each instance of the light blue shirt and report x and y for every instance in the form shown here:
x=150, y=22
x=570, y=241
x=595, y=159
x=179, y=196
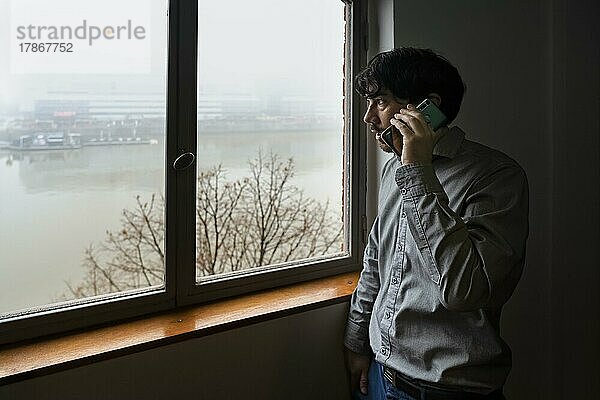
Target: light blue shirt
x=444, y=255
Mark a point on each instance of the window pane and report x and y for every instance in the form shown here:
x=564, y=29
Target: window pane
x=82, y=133
x=270, y=133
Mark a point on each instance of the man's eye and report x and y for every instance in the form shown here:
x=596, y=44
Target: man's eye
x=378, y=102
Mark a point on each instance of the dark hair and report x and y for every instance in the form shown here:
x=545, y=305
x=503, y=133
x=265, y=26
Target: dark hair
x=411, y=73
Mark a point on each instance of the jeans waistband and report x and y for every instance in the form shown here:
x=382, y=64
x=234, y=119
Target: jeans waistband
x=420, y=392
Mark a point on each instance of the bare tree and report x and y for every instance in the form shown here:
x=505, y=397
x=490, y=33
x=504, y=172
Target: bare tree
x=280, y=223
x=259, y=220
x=216, y=219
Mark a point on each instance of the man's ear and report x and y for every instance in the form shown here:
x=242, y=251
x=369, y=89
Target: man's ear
x=437, y=100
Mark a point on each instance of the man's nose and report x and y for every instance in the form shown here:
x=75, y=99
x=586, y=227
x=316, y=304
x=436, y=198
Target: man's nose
x=370, y=116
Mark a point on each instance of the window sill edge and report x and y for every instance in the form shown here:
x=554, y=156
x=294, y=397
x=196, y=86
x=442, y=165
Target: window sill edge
x=46, y=356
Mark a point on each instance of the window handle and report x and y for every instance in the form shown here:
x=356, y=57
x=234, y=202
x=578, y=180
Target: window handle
x=184, y=161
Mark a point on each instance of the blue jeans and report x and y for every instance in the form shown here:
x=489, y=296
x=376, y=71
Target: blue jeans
x=380, y=388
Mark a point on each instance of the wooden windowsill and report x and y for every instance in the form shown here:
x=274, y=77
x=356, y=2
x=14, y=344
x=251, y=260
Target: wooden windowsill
x=45, y=356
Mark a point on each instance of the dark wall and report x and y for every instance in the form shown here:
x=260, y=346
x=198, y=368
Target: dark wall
x=575, y=275
x=293, y=358
x=531, y=70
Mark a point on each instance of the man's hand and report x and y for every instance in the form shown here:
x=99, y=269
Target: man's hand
x=417, y=138
x=358, y=368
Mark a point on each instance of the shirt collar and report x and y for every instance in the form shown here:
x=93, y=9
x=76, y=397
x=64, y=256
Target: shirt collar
x=449, y=143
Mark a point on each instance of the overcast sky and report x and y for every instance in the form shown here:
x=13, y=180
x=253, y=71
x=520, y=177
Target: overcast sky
x=259, y=46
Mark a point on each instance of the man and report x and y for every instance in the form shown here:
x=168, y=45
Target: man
x=445, y=251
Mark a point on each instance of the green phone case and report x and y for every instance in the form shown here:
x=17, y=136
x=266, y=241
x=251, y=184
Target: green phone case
x=433, y=115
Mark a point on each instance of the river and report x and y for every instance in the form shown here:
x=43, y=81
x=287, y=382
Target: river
x=55, y=204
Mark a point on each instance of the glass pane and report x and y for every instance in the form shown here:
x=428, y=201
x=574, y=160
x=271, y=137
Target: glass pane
x=82, y=133
x=270, y=134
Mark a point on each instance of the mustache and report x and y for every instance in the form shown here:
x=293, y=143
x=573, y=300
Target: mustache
x=373, y=128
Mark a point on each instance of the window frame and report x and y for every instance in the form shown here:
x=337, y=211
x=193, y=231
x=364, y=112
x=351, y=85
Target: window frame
x=180, y=199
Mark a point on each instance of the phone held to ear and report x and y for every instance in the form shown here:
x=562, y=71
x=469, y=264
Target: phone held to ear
x=433, y=115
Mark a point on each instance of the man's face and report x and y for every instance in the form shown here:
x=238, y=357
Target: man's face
x=380, y=109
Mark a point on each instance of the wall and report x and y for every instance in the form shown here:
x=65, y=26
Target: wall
x=296, y=357
x=575, y=274
x=531, y=69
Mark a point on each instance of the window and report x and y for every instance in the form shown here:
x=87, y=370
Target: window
x=169, y=153
x=270, y=134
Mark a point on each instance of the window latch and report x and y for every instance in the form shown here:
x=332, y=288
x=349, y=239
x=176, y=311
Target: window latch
x=184, y=161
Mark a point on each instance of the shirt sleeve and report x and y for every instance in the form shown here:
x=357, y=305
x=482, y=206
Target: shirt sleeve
x=476, y=258
x=356, y=337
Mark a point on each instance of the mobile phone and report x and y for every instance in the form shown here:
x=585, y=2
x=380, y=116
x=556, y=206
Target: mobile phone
x=386, y=137
x=433, y=115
